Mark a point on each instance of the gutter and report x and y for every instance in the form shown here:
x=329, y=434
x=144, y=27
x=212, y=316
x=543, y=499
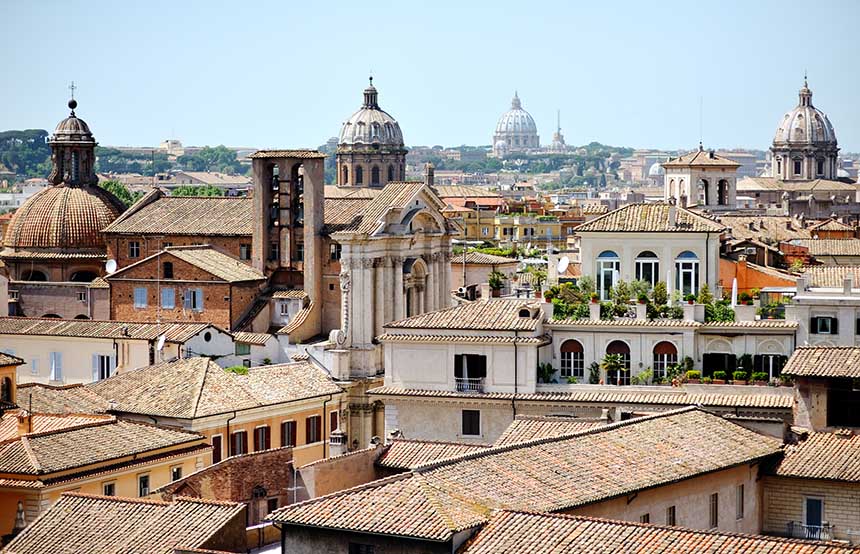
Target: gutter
x=229, y=419
x=516, y=376
x=325, y=424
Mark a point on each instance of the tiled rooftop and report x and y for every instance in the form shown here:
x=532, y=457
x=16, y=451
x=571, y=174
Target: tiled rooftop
x=833, y=456
x=301, y=153
x=831, y=276
x=405, y=454
x=652, y=218
x=761, y=184
x=468, y=339
x=208, y=259
x=830, y=247
x=188, y=215
x=89, y=443
x=831, y=224
x=198, y=387
x=701, y=157
x=84, y=328
x=257, y=339
x=549, y=474
x=40, y=423
x=483, y=315
x=528, y=428
x=479, y=258
x=659, y=396
x=776, y=227
x=516, y=532
x=79, y=523
x=61, y=400
x=824, y=361
x=8, y=359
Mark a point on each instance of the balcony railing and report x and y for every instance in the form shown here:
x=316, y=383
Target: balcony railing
x=823, y=532
x=469, y=385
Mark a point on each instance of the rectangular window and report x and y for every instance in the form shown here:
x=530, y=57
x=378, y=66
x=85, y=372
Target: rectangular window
x=739, y=502
x=356, y=548
x=34, y=366
x=262, y=439
x=142, y=485
x=216, y=449
x=797, y=167
x=176, y=473
x=813, y=517
x=819, y=167
x=56, y=366
x=133, y=249
x=238, y=443
x=645, y=518
x=335, y=251
x=82, y=296
x=284, y=308
x=824, y=326
x=333, y=421
x=670, y=515
x=166, y=245
x=194, y=300
x=288, y=433
x=109, y=489
x=714, y=507
x=485, y=231
x=243, y=349
x=103, y=366
x=271, y=505
x=470, y=370
x=168, y=298
x=313, y=429
x=244, y=251
x=843, y=403
x=140, y=297
x=471, y=423
x=300, y=251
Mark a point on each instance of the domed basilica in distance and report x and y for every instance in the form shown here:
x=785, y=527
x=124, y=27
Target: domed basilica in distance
x=516, y=131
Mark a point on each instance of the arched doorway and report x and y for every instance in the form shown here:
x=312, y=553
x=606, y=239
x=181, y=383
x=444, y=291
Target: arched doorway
x=608, y=266
x=572, y=359
x=665, y=355
x=622, y=350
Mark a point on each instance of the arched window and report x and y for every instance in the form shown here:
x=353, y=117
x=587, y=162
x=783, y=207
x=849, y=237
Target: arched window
x=623, y=350
x=84, y=276
x=374, y=131
x=687, y=273
x=608, y=266
x=345, y=171
x=81, y=316
x=704, y=193
x=681, y=191
x=359, y=175
x=648, y=267
x=665, y=355
x=374, y=175
x=51, y=316
x=723, y=192
x=391, y=173
x=572, y=359
x=34, y=275
x=672, y=192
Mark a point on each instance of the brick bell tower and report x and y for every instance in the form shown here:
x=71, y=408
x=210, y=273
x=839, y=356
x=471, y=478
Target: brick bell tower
x=289, y=199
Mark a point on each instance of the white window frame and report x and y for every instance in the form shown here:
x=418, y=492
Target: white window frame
x=56, y=366
x=173, y=469
x=480, y=423
x=570, y=366
x=111, y=484
x=687, y=268
x=34, y=366
x=172, y=298
x=643, y=262
x=820, y=329
x=141, y=304
x=145, y=490
x=103, y=366
x=284, y=307
x=608, y=268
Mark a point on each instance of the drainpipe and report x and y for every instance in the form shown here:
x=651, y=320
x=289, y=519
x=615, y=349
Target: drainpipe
x=325, y=426
x=229, y=419
x=516, y=378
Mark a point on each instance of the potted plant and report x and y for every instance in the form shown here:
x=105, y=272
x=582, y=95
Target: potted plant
x=786, y=380
x=693, y=376
x=642, y=298
x=719, y=377
x=706, y=380
x=745, y=298
x=595, y=298
x=759, y=378
x=613, y=365
x=739, y=377
x=496, y=281
x=546, y=373
x=690, y=298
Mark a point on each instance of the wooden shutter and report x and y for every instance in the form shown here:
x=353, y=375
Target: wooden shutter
x=216, y=449
x=834, y=326
x=813, y=325
x=95, y=367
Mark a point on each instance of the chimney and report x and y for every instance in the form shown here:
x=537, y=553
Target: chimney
x=25, y=423
x=801, y=285
x=428, y=174
x=788, y=225
x=673, y=215
x=847, y=284
x=711, y=154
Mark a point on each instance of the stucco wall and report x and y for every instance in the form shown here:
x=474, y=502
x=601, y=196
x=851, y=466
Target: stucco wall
x=318, y=541
x=338, y=473
x=784, y=500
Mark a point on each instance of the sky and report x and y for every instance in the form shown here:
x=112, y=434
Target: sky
x=287, y=74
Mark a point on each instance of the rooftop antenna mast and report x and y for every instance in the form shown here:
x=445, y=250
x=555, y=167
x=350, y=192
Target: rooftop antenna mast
x=701, y=120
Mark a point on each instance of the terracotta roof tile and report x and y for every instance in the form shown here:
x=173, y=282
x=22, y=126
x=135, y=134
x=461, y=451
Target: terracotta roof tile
x=61, y=400
x=831, y=224
x=108, y=524
x=830, y=247
x=404, y=454
x=652, y=218
x=40, y=423
x=188, y=215
x=8, y=359
x=467, y=339
x=198, y=387
x=301, y=153
x=775, y=227
x=92, y=442
x=291, y=294
x=174, y=332
x=479, y=258
x=528, y=428
x=833, y=456
x=514, y=532
x=483, y=315
x=824, y=361
x=206, y=258
x=757, y=184
x=831, y=276
x=258, y=339
x=700, y=157
x=656, y=397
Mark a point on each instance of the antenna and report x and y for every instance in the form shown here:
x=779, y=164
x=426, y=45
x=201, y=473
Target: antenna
x=701, y=124
x=563, y=264
x=160, y=344
x=110, y=266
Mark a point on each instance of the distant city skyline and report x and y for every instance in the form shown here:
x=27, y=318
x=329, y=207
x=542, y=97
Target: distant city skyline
x=622, y=73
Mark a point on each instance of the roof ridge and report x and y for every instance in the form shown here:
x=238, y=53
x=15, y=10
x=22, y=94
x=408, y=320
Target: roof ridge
x=564, y=436
x=370, y=485
x=446, y=443
x=39, y=434
x=199, y=393
x=34, y=461
x=124, y=499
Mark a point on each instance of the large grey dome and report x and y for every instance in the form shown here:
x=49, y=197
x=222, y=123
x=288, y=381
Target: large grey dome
x=371, y=125
x=805, y=124
x=516, y=120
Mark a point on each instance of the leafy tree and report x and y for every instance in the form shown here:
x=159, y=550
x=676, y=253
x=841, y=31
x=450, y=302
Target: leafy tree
x=26, y=152
x=218, y=158
x=594, y=373
x=111, y=160
x=613, y=365
x=705, y=296
x=121, y=191
x=194, y=190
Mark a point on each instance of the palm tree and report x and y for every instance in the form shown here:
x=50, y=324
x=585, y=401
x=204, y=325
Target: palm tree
x=613, y=365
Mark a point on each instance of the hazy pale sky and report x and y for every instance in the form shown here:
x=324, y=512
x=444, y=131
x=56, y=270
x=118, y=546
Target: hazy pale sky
x=287, y=74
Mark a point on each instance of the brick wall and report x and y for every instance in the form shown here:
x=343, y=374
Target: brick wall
x=784, y=500
x=117, y=245
x=338, y=473
x=235, y=479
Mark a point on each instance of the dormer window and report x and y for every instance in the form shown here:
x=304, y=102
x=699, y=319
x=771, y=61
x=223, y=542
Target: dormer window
x=525, y=313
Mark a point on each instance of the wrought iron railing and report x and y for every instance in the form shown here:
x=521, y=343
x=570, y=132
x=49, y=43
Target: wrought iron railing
x=823, y=532
x=469, y=385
